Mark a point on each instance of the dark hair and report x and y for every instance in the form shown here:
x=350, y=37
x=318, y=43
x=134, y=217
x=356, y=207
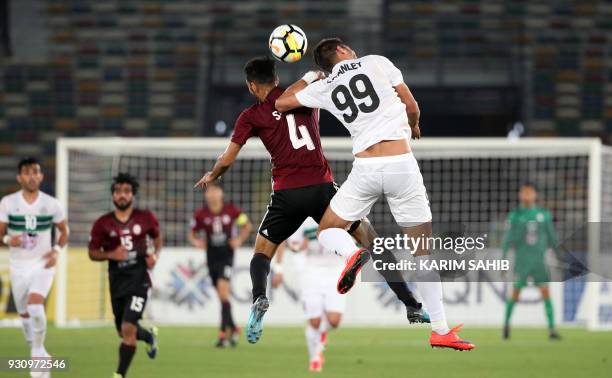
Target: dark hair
x=25, y=162
x=325, y=51
x=529, y=184
x=260, y=70
x=125, y=178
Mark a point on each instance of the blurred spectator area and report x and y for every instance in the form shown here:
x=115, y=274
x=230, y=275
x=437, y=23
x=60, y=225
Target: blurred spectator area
x=174, y=67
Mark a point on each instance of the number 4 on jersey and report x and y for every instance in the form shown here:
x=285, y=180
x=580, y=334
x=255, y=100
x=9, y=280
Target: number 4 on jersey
x=296, y=141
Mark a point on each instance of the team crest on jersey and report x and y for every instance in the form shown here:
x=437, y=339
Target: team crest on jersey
x=206, y=220
x=136, y=229
x=226, y=219
x=113, y=234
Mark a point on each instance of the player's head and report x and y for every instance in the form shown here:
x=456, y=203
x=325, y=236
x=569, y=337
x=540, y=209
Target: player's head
x=214, y=195
x=528, y=194
x=261, y=76
x=29, y=174
x=330, y=51
x=123, y=189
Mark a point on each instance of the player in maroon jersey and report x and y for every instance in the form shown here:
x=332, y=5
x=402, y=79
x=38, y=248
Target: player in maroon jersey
x=302, y=182
x=122, y=237
x=224, y=227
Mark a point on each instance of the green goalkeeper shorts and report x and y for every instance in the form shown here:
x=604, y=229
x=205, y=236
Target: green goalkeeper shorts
x=538, y=274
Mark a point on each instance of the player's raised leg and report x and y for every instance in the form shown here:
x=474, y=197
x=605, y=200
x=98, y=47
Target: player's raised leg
x=365, y=235
x=333, y=236
x=259, y=269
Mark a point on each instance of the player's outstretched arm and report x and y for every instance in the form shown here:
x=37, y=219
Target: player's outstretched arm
x=412, y=108
x=224, y=161
x=288, y=101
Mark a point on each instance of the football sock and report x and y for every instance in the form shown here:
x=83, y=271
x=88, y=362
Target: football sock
x=226, y=316
x=26, y=326
x=260, y=268
x=323, y=327
x=126, y=353
x=39, y=328
x=550, y=315
x=430, y=287
x=230, y=318
x=339, y=241
x=143, y=334
x=395, y=280
x=313, y=339
x=509, y=307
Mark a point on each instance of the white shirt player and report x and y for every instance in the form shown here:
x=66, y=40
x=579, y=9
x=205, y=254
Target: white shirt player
x=315, y=256
x=360, y=93
x=33, y=222
x=318, y=274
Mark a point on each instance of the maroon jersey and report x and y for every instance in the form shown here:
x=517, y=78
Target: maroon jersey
x=291, y=138
x=108, y=233
x=219, y=229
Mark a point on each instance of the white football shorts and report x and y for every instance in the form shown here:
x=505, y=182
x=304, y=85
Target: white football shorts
x=396, y=177
x=27, y=278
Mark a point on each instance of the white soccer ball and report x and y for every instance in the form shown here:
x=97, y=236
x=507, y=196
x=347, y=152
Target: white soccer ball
x=288, y=43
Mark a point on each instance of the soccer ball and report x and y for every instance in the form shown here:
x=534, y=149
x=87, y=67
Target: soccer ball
x=288, y=43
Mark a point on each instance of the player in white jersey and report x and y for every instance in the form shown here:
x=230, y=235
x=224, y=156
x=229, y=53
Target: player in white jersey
x=369, y=96
x=28, y=220
x=323, y=305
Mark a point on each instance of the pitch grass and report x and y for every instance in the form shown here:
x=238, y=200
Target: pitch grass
x=352, y=352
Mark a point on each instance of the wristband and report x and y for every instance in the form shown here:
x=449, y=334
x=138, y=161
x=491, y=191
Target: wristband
x=6, y=239
x=57, y=248
x=310, y=77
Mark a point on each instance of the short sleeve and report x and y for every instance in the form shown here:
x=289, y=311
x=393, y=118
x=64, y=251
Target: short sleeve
x=312, y=95
x=243, y=129
x=59, y=215
x=3, y=211
x=393, y=74
x=195, y=223
x=153, y=225
x=96, y=236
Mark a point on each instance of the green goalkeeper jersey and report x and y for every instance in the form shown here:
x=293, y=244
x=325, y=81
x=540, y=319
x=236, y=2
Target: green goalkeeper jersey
x=530, y=232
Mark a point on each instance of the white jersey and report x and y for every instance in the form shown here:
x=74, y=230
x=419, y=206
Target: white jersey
x=360, y=93
x=316, y=257
x=33, y=222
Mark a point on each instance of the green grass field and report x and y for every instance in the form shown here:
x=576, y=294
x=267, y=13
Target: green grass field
x=352, y=352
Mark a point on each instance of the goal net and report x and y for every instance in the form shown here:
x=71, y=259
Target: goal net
x=468, y=180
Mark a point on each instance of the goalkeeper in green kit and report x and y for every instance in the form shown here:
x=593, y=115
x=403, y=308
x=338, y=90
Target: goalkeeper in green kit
x=530, y=232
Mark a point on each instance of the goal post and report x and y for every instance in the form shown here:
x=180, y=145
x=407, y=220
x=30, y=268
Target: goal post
x=468, y=180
